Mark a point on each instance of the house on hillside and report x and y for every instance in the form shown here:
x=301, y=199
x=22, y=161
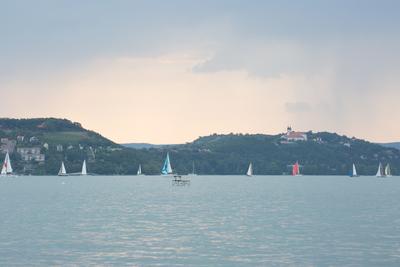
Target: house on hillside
x=293, y=136
x=31, y=153
x=46, y=145
x=33, y=139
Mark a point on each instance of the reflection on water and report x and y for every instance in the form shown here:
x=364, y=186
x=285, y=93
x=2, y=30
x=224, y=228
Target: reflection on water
x=216, y=221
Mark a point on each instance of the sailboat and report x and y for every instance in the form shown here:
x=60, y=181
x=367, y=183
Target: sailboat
x=354, y=172
x=296, y=169
x=379, y=173
x=250, y=170
x=84, y=171
x=7, y=168
x=139, y=171
x=62, y=171
x=193, y=173
x=167, y=169
x=388, y=172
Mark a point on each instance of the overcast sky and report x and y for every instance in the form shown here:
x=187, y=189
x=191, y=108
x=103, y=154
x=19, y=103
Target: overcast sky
x=170, y=71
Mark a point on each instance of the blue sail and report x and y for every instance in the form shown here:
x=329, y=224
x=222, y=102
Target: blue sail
x=166, y=169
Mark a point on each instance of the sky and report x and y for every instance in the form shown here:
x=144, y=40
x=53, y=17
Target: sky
x=167, y=72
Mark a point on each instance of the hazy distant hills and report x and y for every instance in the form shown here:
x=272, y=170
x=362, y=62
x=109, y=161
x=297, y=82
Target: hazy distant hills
x=147, y=145
x=393, y=145
x=142, y=145
x=62, y=140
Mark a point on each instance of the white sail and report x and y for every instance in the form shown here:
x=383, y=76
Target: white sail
x=139, y=171
x=7, y=168
x=379, y=172
x=388, y=171
x=4, y=169
x=62, y=171
x=169, y=168
x=84, y=171
x=354, y=170
x=250, y=170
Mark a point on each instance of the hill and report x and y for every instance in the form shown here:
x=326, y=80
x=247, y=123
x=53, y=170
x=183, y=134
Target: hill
x=322, y=153
x=37, y=146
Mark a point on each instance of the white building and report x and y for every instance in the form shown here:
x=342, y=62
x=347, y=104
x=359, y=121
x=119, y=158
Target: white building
x=33, y=139
x=292, y=136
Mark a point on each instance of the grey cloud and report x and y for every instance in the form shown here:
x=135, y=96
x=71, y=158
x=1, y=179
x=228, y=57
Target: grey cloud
x=267, y=59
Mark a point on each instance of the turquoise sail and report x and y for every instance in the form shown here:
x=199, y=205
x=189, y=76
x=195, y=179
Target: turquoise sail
x=166, y=169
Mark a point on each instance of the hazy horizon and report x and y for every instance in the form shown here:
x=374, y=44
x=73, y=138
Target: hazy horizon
x=168, y=72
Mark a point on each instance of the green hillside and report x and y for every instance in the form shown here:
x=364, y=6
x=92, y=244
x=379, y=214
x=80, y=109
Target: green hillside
x=51, y=130
x=323, y=153
x=62, y=140
x=58, y=140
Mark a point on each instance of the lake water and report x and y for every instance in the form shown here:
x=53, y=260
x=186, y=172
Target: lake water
x=216, y=221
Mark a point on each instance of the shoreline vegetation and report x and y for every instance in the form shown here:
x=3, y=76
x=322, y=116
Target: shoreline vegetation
x=38, y=146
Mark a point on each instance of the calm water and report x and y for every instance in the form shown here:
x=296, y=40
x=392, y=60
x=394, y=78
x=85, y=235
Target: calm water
x=216, y=221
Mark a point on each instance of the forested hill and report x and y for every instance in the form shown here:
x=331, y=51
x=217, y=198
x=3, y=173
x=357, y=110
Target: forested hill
x=322, y=153
x=37, y=146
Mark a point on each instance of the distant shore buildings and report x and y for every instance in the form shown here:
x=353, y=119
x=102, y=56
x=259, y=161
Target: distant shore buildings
x=31, y=153
x=293, y=136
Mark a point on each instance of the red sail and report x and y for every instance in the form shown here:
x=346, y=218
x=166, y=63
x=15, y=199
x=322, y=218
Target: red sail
x=295, y=170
